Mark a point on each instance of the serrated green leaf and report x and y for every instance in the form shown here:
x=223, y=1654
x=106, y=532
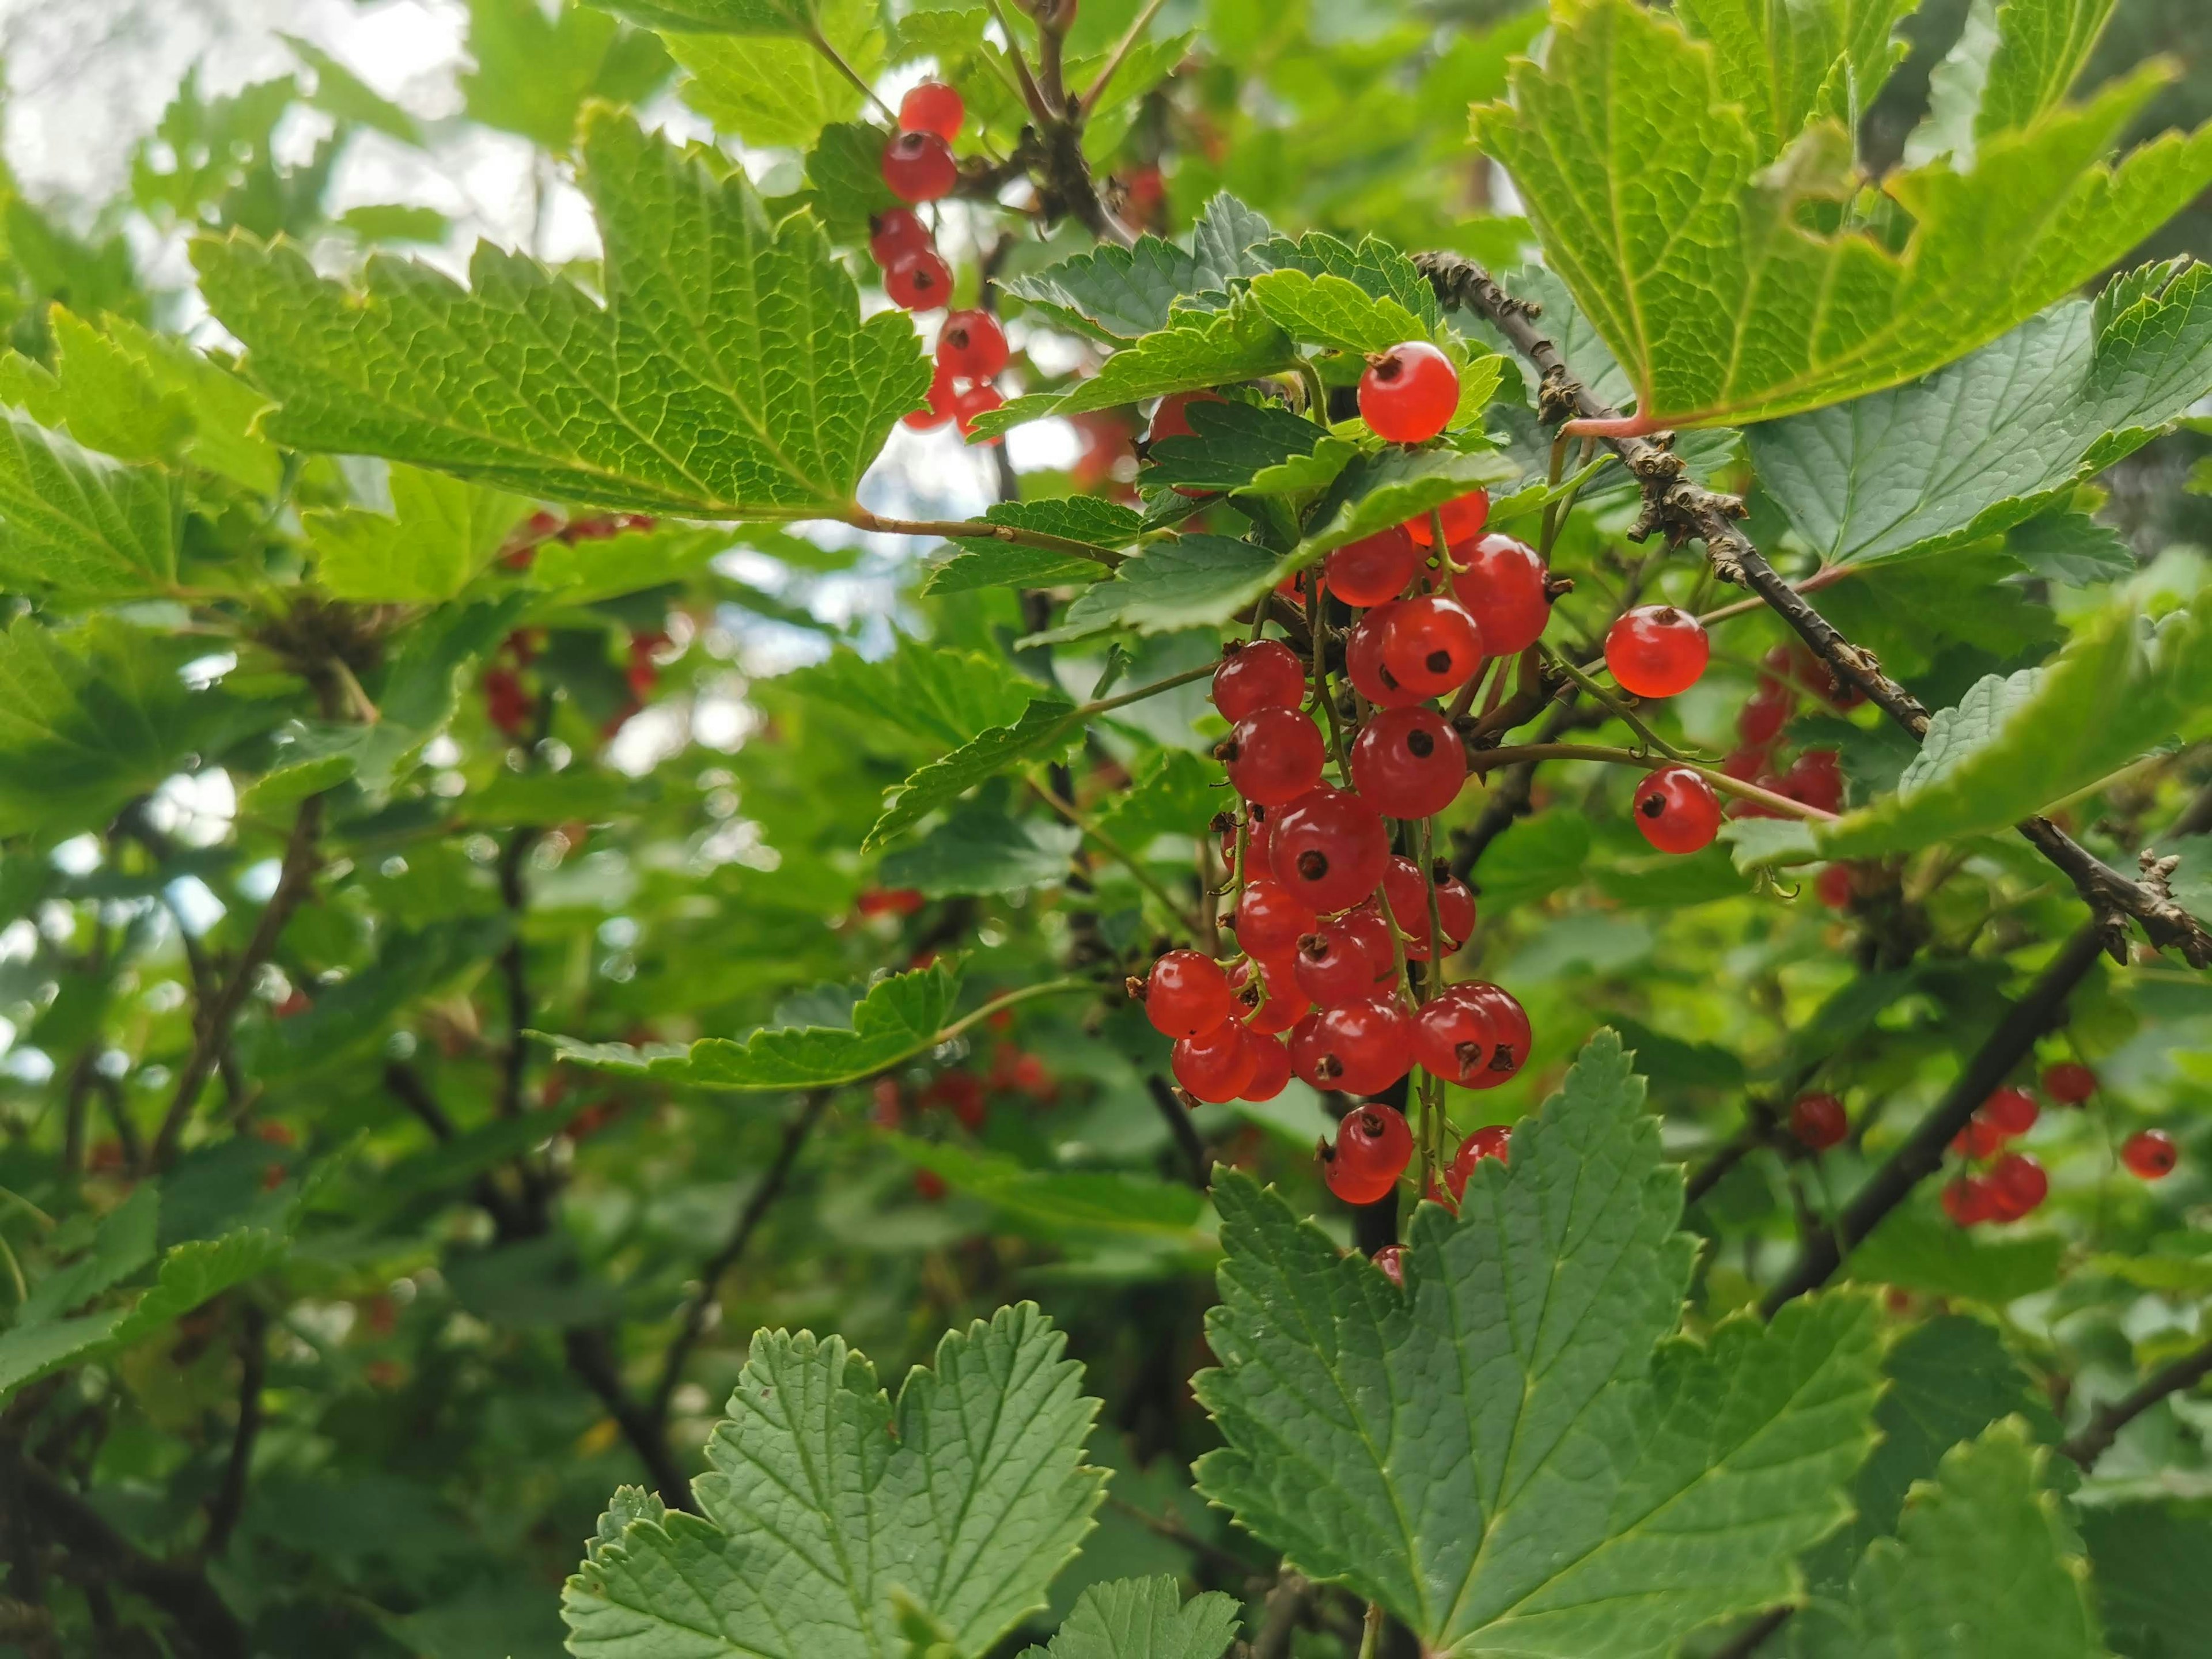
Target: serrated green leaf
x=1789, y=64
x=1920, y=1250
x=1374, y=266
x=2010, y=64
x=900, y=1017
x=845, y=179
x=1054, y=1203
x=1988, y=1517
x=1117, y=294
x=440, y=532
x=104, y=396
x=1107, y=526
x=1994, y=439
x=1230, y=444
x=1171, y=792
x=781, y=91
x=1142, y=1619
x=2071, y=549
x=728, y=375
x=1376, y=490
x=1692, y=258
x=2147, y=1556
x=1046, y=730
x=1192, y=581
x=1008, y=564
x=125, y=1243
x=1907, y=609
x=75, y=524
x=724, y=16
x=980, y=848
x=939, y=698
x=826, y=1506
x=1496, y=1453
x=1334, y=312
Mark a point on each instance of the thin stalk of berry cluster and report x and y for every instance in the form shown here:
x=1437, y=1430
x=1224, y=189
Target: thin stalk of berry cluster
x=1051, y=988
x=1030, y=94
x=1314, y=622
x=1317, y=394
x=1489, y=760
x=978, y=530
x=1465, y=700
x=1619, y=710
x=1124, y=699
x=1122, y=48
x=1552, y=514
x=1192, y=926
x=820, y=42
x=1370, y=1633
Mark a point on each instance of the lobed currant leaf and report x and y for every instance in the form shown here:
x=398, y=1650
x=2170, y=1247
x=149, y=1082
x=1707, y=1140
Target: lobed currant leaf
x=924, y=694
x=1048, y=728
x=1230, y=445
x=781, y=91
x=534, y=70
x=1373, y=266
x=981, y=848
x=440, y=533
x=1054, y=1204
x=986, y=561
x=1787, y=66
x=1334, y=312
x=1190, y=582
x=78, y=525
x=1142, y=1619
x=1118, y=294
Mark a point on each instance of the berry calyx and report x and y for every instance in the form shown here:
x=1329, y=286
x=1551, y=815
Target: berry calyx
x=896, y=232
x=1269, y=988
x=2150, y=1154
x=2069, y=1082
x=1359, y=1047
x=1464, y=516
x=1266, y=674
x=1374, y=1145
x=1329, y=847
x=1818, y=1122
x=1273, y=755
x=1215, y=1065
x=1408, y=393
x=1432, y=645
x=2018, y=1185
x=919, y=167
x=1493, y=1140
x=1185, y=995
x=1270, y=920
x=933, y=106
x=1408, y=764
x=1454, y=1036
x=1503, y=589
x=1677, y=810
x=1374, y=569
x=919, y=281
x=1657, y=651
x=972, y=345
x=2012, y=1111
x=1362, y=660
x=1270, y=1066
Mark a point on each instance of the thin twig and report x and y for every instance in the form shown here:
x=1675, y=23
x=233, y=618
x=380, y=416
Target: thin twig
x=229, y=1501
x=590, y=1350
x=820, y=42
x=1122, y=48
x=1193, y=1150
x=1482, y=760
x=2105, y=1423
x=976, y=530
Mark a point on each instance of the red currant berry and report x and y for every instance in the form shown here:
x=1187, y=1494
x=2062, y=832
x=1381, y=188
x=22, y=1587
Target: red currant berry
x=1657, y=651
x=2012, y=1110
x=1273, y=755
x=1454, y=1036
x=1333, y=965
x=1215, y=1065
x=1329, y=847
x=1270, y=920
x=1503, y=587
x=2019, y=1183
x=1816, y=779
x=919, y=167
x=938, y=409
x=1832, y=886
x=933, y=106
x=1493, y=1141
x=1463, y=518
x=1374, y=569
x=1171, y=417
x=1362, y=660
x=1979, y=1139
x=1366, y=924
x=507, y=705
x=1391, y=1259
x=1187, y=994
x=972, y=345
x=896, y=232
x=1270, y=990
x=2069, y=1083
x=1408, y=897
x=2150, y=1154
x=1818, y=1122
x=1455, y=907
x=1359, y=1047
x=1971, y=1200
x=1270, y=1066
x=1762, y=717
x=972, y=402
x=1374, y=1145
x=1408, y=393
x=1508, y=1028
x=1259, y=840
x=1432, y=645
x=1264, y=675
x=1677, y=810
x=919, y=281
x=1407, y=763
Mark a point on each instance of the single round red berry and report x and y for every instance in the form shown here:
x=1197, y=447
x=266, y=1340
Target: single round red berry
x=1464, y=518
x=2150, y=1154
x=1215, y=1065
x=1832, y=886
x=1374, y=1145
x=1362, y=660
x=1816, y=778
x=1269, y=988
x=1454, y=1036
x=1979, y=1139
x=1657, y=651
x=2069, y=1083
x=1391, y=1259
x=1407, y=763
x=1432, y=645
x=1271, y=1065
x=1360, y=1047
x=919, y=167
x=1374, y=569
x=1273, y=755
x=896, y=232
x=972, y=345
x=1332, y=967
x=1503, y=588
x=1408, y=393
x=2018, y=1184
x=1508, y=1028
x=938, y=409
x=1366, y=924
x=1455, y=907
x=919, y=281
x=1764, y=714
x=933, y=106
x=1266, y=674
x=1270, y=920
x=1171, y=416
x=1187, y=994
x=1493, y=1140
x=1677, y=810
x=1408, y=897
x=1329, y=847
x=1818, y=1122
x=2014, y=1111
x=1971, y=1200
x=971, y=401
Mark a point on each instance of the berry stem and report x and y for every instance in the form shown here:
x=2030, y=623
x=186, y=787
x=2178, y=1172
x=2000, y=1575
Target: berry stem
x=1123, y=699
x=976, y=530
x=1031, y=95
x=1654, y=743
x=1122, y=48
x=1193, y=928
x=820, y=42
x=1317, y=394
x=1370, y=1631
x=1488, y=760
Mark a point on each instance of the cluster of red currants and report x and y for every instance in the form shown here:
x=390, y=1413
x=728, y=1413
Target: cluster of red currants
x=1815, y=778
x=2011, y=1184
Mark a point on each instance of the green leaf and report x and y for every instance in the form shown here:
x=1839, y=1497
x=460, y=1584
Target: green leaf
x=104, y=396
x=1374, y=266
x=826, y=1506
x=987, y=561
x=1693, y=258
x=1118, y=294
x=535, y=69
x=1171, y=792
x=124, y=1244
x=1054, y=1203
x=1992, y=440
x=2011, y=64
x=2148, y=1557
x=980, y=848
x=939, y=698
x=902, y=1016
x=1496, y=1453
x=589, y=569
x=77, y=525
x=342, y=93
x=845, y=179
x=727, y=375
x=1987, y=1518
x=440, y=533
x=2071, y=549
x=1190, y=582
x=1230, y=444
x=1046, y=730
x=781, y=91
x=1920, y=1250
x=1907, y=609
x=1790, y=64
x=1144, y=1619
x=1375, y=491
x=724, y=16
x=1334, y=312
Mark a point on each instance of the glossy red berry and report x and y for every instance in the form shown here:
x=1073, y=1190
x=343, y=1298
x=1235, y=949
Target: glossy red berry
x=1374, y=569
x=1270, y=1066
x=1503, y=588
x=1268, y=987
x=1408, y=897
x=1432, y=645
x=971, y=401
x=2150, y=1154
x=1408, y=393
x=1337, y=963
x=938, y=409
x=1454, y=909
x=1270, y=920
x=1366, y=924
x=1508, y=1028
x=933, y=106
x=1464, y=518
x=1817, y=779
x=1971, y=1200
x=1359, y=1047
x=1407, y=763
x=1455, y=1035
x=1273, y=755
x=1818, y=1122
x=1362, y=660
x=1374, y=1145
x=1171, y=417
x=1493, y=1140
x=1329, y=847
x=1762, y=717
x=919, y=167
x=1187, y=994
x=1980, y=1137
x=2018, y=1184
x=1215, y=1065
x=2014, y=1111
x=896, y=232
x=1677, y=810
x=2069, y=1083
x=919, y=281
x=1266, y=674
x=1657, y=651
x=972, y=345
x=1832, y=886
x=1391, y=1259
